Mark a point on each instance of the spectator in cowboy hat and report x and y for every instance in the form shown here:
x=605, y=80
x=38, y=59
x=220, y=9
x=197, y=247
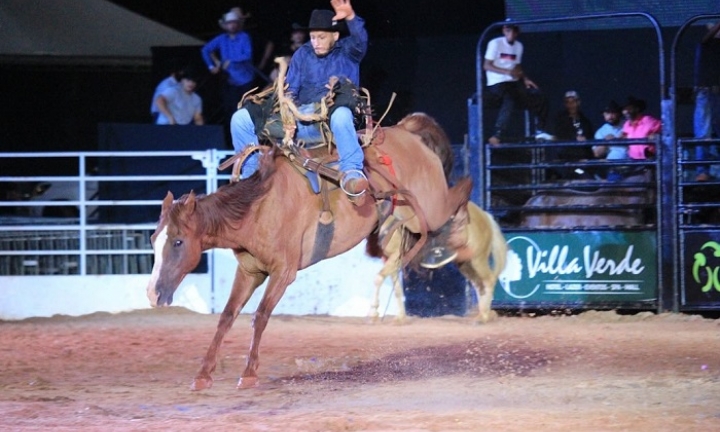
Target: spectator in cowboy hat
x=230, y=56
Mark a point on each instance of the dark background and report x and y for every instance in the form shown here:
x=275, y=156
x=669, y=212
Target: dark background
x=412, y=52
x=384, y=19
x=424, y=51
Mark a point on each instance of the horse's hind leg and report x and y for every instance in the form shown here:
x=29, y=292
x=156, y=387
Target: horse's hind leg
x=274, y=291
x=401, y=316
x=484, y=285
x=485, y=297
x=243, y=287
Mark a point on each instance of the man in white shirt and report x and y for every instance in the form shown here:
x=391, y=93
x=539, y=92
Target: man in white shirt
x=507, y=84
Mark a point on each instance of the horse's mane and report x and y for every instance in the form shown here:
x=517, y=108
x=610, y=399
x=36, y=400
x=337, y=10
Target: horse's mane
x=230, y=203
x=433, y=135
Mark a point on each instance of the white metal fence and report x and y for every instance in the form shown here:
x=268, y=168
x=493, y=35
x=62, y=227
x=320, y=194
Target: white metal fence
x=72, y=223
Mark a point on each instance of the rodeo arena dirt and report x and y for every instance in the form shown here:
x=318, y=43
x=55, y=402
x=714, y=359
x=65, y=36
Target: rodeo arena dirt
x=568, y=349
x=592, y=371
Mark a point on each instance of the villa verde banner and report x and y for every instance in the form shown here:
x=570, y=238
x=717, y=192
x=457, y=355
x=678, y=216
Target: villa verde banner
x=579, y=268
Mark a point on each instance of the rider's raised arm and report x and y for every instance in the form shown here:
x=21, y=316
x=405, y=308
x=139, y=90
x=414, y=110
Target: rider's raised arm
x=357, y=42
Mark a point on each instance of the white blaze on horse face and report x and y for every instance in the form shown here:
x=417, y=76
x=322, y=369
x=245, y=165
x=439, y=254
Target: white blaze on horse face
x=158, y=247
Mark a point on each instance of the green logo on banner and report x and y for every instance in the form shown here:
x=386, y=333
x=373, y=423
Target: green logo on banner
x=704, y=274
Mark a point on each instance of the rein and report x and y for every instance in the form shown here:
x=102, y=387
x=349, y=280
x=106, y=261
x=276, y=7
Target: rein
x=237, y=161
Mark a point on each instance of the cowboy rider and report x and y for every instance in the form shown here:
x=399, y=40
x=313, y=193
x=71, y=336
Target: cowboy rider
x=311, y=67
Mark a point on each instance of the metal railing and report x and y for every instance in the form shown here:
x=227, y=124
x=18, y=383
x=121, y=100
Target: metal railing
x=517, y=172
x=93, y=240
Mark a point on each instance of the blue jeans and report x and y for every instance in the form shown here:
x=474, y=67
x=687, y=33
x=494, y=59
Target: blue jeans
x=342, y=126
x=706, y=121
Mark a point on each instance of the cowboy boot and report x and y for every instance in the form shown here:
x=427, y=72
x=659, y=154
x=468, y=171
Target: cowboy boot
x=436, y=252
x=355, y=186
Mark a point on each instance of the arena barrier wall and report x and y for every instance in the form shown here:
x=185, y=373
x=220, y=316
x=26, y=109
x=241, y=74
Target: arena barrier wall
x=91, y=263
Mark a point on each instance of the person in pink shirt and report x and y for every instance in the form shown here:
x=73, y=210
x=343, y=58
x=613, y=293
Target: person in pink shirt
x=639, y=125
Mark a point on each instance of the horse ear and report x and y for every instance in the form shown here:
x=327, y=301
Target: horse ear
x=167, y=202
x=190, y=202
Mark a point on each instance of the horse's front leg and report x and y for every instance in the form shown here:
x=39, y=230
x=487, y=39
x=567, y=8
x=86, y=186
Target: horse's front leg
x=279, y=281
x=244, y=285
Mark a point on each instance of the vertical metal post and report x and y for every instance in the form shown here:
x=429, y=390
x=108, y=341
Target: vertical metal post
x=210, y=160
x=667, y=282
x=83, y=215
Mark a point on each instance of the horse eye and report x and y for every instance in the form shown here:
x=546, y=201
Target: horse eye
x=178, y=243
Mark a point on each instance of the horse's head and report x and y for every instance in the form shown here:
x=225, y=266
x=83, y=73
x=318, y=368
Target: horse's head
x=177, y=248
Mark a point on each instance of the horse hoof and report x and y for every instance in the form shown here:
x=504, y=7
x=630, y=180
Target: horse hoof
x=485, y=318
x=201, y=384
x=373, y=318
x=247, y=382
x=400, y=321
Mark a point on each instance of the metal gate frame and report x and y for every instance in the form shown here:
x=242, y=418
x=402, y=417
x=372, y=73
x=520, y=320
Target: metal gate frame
x=682, y=230
x=665, y=227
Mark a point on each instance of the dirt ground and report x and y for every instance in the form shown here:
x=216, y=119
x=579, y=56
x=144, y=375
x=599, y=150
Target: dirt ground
x=593, y=371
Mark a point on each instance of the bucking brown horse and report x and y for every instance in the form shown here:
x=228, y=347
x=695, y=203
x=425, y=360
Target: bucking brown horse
x=276, y=225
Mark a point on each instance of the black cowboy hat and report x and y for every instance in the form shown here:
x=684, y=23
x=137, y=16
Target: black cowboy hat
x=322, y=19
x=637, y=103
x=612, y=107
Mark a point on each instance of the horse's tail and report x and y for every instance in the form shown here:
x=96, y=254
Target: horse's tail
x=373, y=249
x=433, y=135
x=498, y=246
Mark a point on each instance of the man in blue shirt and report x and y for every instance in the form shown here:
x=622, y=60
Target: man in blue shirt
x=173, y=80
x=230, y=54
x=311, y=67
x=180, y=105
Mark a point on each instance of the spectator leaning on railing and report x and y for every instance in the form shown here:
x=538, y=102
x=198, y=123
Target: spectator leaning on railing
x=639, y=125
